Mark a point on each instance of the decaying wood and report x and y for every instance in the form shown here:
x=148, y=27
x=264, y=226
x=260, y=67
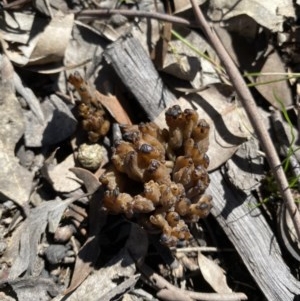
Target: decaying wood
x=246, y=227
x=134, y=67
x=252, y=237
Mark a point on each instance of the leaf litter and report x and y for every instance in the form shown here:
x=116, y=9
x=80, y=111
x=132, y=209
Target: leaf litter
x=54, y=217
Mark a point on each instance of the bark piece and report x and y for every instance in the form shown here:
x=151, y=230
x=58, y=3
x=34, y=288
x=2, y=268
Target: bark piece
x=134, y=67
x=252, y=237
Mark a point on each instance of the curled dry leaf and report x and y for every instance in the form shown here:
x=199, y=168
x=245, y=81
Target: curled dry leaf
x=213, y=274
x=287, y=232
x=184, y=63
x=53, y=41
x=41, y=42
x=89, y=180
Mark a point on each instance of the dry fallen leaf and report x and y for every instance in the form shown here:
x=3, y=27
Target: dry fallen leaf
x=60, y=176
x=276, y=89
x=245, y=169
x=53, y=41
x=89, y=180
x=15, y=180
x=270, y=14
x=39, y=41
x=103, y=282
x=59, y=123
x=213, y=274
x=22, y=251
x=26, y=287
x=247, y=45
x=113, y=106
x=184, y=63
x=183, y=5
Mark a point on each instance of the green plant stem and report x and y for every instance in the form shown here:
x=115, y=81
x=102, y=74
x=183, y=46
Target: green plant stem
x=253, y=114
x=197, y=51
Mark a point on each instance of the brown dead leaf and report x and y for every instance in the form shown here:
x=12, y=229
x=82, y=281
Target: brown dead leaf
x=90, y=181
x=213, y=274
x=275, y=88
x=104, y=280
x=85, y=261
x=245, y=46
x=113, y=106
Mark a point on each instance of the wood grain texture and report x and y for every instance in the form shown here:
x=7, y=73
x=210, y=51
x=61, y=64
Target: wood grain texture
x=135, y=69
x=252, y=237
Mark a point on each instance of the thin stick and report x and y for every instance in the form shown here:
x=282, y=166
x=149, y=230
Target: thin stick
x=92, y=14
x=202, y=249
x=166, y=288
x=253, y=114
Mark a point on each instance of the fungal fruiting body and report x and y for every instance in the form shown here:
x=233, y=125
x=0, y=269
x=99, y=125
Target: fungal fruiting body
x=171, y=167
x=94, y=118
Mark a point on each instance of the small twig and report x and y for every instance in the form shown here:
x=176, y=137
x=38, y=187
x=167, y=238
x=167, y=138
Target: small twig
x=298, y=115
x=203, y=249
x=167, y=289
x=253, y=115
x=92, y=14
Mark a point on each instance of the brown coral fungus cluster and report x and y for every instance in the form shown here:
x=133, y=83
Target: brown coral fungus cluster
x=94, y=118
x=171, y=166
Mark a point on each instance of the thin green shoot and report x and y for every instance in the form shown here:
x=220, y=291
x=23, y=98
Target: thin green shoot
x=197, y=51
x=293, y=138
x=286, y=76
